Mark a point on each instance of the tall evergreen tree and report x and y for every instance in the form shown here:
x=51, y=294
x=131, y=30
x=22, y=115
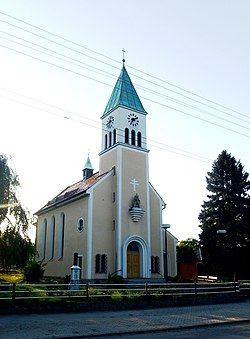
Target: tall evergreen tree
x=227, y=208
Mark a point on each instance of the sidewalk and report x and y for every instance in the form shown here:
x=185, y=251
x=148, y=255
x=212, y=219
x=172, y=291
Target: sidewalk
x=91, y=324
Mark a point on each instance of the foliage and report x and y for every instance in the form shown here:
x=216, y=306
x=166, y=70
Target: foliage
x=116, y=279
x=11, y=277
x=34, y=271
x=188, y=251
x=16, y=250
x=227, y=208
x=10, y=207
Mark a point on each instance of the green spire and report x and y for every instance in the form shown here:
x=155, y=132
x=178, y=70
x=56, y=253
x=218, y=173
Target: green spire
x=88, y=164
x=124, y=94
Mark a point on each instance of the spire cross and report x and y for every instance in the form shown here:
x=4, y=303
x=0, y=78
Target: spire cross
x=134, y=183
x=123, y=55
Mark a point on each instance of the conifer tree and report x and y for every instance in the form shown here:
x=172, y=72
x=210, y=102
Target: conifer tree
x=227, y=208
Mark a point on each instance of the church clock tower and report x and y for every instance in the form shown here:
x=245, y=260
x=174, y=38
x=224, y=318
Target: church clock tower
x=124, y=147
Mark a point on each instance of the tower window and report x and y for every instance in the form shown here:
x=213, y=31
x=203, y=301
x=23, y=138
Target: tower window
x=114, y=137
x=110, y=139
x=133, y=137
x=126, y=136
x=106, y=141
x=139, y=139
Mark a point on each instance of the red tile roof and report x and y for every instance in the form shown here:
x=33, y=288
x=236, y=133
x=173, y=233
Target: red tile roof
x=73, y=190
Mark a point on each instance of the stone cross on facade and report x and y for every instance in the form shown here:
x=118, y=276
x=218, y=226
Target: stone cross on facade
x=134, y=183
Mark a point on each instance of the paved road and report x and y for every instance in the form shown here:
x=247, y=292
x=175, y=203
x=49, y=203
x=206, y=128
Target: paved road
x=239, y=330
x=68, y=325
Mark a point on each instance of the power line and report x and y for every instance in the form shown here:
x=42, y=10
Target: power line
x=53, y=51
x=57, y=43
x=112, y=76
x=111, y=59
x=163, y=146
x=86, y=118
x=102, y=82
x=191, y=115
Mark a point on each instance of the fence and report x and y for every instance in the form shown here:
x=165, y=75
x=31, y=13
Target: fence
x=115, y=291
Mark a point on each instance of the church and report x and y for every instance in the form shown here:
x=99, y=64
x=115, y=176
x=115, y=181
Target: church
x=111, y=220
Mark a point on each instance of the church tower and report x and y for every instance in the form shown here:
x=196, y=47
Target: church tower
x=124, y=147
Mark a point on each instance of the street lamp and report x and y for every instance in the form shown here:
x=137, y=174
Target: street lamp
x=165, y=227
x=221, y=231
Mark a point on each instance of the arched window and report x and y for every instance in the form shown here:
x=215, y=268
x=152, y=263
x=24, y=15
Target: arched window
x=110, y=139
x=139, y=139
x=43, y=239
x=106, y=141
x=52, y=238
x=126, y=136
x=133, y=137
x=97, y=263
x=114, y=137
x=80, y=225
x=61, y=231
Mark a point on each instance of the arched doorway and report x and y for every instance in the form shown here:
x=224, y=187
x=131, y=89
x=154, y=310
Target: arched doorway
x=133, y=260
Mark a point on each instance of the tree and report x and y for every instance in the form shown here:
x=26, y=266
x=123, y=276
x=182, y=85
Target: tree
x=11, y=211
x=16, y=249
x=227, y=208
x=188, y=251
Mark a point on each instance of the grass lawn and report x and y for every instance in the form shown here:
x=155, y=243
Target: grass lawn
x=11, y=277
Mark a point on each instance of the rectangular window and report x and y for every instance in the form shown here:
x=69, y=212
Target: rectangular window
x=113, y=196
x=113, y=227
x=101, y=263
x=155, y=265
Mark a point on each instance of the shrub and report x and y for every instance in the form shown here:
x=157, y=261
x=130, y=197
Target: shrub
x=34, y=271
x=116, y=279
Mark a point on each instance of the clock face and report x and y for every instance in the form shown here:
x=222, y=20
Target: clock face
x=133, y=119
x=110, y=121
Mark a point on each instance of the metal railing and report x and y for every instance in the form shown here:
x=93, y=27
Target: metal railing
x=117, y=291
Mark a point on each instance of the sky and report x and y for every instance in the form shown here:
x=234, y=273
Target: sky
x=188, y=60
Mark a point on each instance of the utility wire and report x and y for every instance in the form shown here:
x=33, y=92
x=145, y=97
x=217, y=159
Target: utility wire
x=109, y=75
x=104, y=83
x=111, y=59
x=162, y=147
x=86, y=118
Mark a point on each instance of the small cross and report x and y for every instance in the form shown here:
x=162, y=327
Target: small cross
x=123, y=55
x=134, y=183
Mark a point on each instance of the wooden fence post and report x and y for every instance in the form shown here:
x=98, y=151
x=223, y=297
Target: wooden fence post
x=87, y=291
x=235, y=287
x=13, y=292
x=195, y=288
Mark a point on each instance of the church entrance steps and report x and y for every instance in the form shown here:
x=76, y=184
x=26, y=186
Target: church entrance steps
x=144, y=281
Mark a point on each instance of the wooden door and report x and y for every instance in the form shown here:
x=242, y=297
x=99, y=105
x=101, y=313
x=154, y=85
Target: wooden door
x=133, y=261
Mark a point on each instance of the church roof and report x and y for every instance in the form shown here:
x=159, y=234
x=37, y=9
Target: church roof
x=124, y=94
x=72, y=191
